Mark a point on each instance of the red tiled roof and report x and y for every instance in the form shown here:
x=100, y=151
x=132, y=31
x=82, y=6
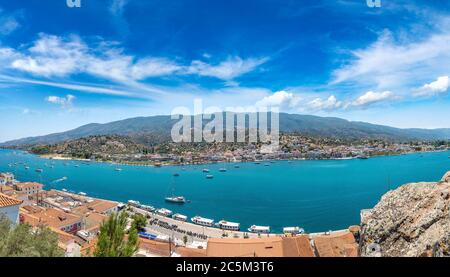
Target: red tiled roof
x=6, y=201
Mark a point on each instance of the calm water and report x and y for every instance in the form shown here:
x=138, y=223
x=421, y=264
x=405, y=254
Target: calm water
x=316, y=195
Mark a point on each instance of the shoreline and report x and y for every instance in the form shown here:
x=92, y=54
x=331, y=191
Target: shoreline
x=59, y=157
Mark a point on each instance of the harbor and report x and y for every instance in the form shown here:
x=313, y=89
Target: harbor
x=313, y=195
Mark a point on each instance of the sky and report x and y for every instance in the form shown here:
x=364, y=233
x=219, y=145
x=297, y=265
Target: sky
x=107, y=60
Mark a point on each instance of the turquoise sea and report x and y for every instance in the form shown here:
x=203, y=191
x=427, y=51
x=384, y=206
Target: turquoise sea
x=315, y=195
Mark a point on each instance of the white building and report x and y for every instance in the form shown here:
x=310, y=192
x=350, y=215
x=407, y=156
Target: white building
x=9, y=207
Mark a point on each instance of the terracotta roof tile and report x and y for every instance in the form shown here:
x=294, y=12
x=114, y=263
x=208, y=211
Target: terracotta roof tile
x=7, y=201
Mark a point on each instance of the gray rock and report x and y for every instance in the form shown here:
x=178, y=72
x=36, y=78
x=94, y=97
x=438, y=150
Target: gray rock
x=413, y=220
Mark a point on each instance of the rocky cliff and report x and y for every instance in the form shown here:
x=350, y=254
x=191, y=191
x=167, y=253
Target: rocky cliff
x=413, y=220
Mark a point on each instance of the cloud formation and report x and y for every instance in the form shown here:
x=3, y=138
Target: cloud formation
x=8, y=23
x=279, y=99
x=372, y=97
x=54, y=56
x=329, y=104
x=441, y=85
x=64, y=102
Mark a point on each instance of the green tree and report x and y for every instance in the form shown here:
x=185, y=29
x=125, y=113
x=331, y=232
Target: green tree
x=139, y=221
x=24, y=241
x=112, y=241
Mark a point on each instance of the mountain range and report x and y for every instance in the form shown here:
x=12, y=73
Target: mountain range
x=156, y=129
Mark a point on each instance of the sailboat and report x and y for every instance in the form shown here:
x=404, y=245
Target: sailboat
x=175, y=199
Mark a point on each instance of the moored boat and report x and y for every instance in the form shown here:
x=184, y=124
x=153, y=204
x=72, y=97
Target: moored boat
x=223, y=169
x=230, y=226
x=118, y=169
x=293, y=230
x=147, y=208
x=259, y=229
x=39, y=170
x=205, y=170
x=203, y=221
x=164, y=212
x=209, y=176
x=82, y=193
x=179, y=217
x=134, y=203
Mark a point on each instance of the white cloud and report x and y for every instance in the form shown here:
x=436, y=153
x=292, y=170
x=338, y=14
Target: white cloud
x=53, y=56
x=392, y=64
x=64, y=102
x=8, y=23
x=441, y=85
x=279, y=99
x=331, y=103
x=372, y=97
x=226, y=70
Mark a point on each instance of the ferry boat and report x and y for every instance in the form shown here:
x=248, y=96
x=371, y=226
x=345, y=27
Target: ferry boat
x=259, y=229
x=39, y=170
x=176, y=199
x=147, y=208
x=164, y=212
x=202, y=221
x=223, y=170
x=230, y=226
x=293, y=230
x=205, y=170
x=209, y=176
x=180, y=217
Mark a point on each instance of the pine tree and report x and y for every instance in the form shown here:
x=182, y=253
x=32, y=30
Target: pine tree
x=113, y=242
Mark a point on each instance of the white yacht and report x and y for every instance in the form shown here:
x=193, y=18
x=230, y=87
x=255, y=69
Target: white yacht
x=202, y=221
x=164, y=212
x=176, y=199
x=293, y=230
x=259, y=229
x=179, y=217
x=230, y=226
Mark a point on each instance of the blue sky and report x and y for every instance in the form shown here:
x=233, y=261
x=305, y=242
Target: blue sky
x=64, y=67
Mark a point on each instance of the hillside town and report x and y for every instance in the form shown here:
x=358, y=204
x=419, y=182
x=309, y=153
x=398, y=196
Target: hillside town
x=119, y=149
x=76, y=220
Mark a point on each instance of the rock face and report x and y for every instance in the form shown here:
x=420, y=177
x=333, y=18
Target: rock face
x=413, y=220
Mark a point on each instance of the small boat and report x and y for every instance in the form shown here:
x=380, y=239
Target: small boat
x=259, y=229
x=118, y=169
x=82, y=193
x=39, y=170
x=164, y=212
x=257, y=163
x=176, y=199
x=236, y=166
x=293, y=230
x=203, y=221
x=362, y=157
x=229, y=226
x=147, y=208
x=180, y=217
x=266, y=164
x=205, y=170
x=27, y=167
x=77, y=165
x=176, y=175
x=209, y=176
x=223, y=169
x=65, y=190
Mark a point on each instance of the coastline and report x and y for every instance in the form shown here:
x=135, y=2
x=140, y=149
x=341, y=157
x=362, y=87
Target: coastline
x=161, y=164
